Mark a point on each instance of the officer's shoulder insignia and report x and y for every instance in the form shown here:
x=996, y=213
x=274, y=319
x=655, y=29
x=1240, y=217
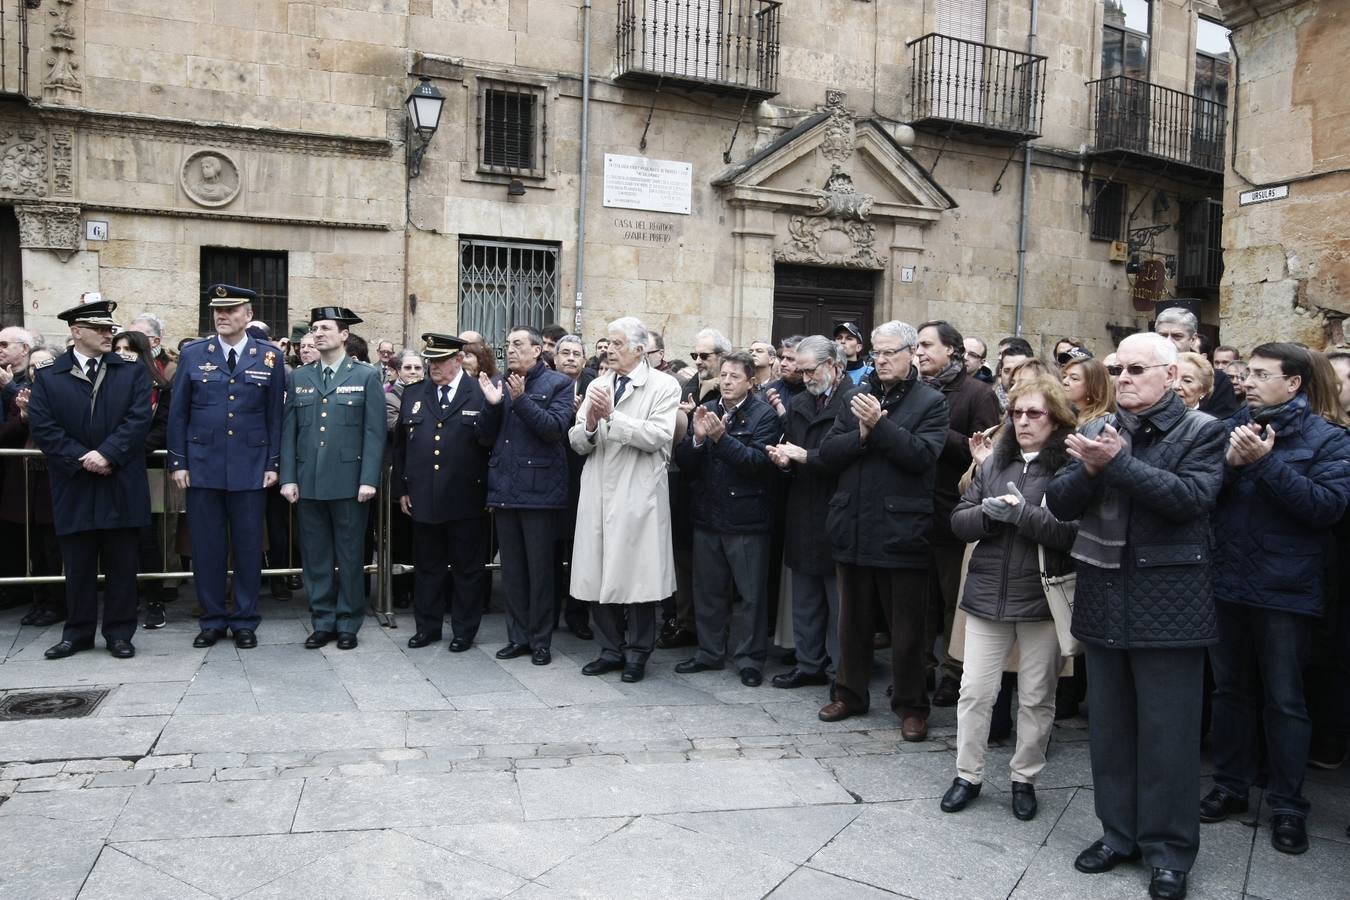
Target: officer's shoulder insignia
x=45, y=363
x=211, y=348
x=269, y=358
x=128, y=356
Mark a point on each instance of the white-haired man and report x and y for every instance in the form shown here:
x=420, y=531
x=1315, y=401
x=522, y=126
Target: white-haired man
x=15, y=345
x=152, y=326
x=622, y=561
x=1181, y=327
x=1142, y=484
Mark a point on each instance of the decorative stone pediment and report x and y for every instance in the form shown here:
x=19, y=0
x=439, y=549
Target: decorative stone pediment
x=836, y=177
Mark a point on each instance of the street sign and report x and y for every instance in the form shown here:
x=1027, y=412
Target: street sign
x=1263, y=195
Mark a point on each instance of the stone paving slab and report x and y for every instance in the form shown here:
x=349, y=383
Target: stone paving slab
x=334, y=804
x=51, y=841
x=230, y=866
x=557, y=725
x=79, y=738
x=686, y=787
x=94, y=667
x=525, y=849
x=208, y=810
x=810, y=884
x=793, y=835
x=279, y=733
x=117, y=875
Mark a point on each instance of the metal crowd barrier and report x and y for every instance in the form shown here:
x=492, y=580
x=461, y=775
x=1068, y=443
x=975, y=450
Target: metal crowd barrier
x=381, y=601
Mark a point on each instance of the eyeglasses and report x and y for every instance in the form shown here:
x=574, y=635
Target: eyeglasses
x=1134, y=369
x=1252, y=375
x=702, y=356
x=1033, y=415
x=971, y=354
x=654, y=352
x=887, y=354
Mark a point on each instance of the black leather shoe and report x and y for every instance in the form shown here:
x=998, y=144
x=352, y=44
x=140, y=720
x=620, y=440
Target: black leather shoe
x=207, y=637
x=1167, y=884
x=318, y=639
x=751, y=677
x=121, y=650
x=673, y=635
x=959, y=795
x=245, y=639
x=422, y=639
x=1218, y=805
x=581, y=630
x=797, y=678
x=1100, y=858
x=459, y=645
x=1289, y=834
x=541, y=656
x=691, y=665
x=633, y=672
x=511, y=651
x=294, y=582
x=601, y=666
x=346, y=640
x=1023, y=801
x=67, y=648
x=947, y=693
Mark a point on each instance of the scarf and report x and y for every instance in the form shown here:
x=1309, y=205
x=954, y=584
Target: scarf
x=946, y=375
x=1104, y=528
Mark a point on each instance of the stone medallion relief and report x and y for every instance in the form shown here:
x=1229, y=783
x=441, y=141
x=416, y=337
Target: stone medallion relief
x=210, y=178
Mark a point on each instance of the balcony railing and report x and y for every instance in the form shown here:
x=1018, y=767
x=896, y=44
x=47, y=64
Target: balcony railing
x=1144, y=119
x=13, y=47
x=727, y=46
x=969, y=86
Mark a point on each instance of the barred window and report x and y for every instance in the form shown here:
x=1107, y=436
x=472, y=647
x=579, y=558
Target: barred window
x=511, y=129
x=263, y=271
x=1108, y=211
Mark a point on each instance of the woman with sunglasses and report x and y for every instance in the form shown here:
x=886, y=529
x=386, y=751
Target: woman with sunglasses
x=1003, y=598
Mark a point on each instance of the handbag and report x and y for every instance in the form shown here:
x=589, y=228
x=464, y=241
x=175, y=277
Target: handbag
x=1059, y=594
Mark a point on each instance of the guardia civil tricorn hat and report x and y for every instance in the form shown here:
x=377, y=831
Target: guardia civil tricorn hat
x=441, y=346
x=92, y=310
x=339, y=314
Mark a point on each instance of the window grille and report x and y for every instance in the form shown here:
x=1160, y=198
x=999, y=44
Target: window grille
x=1108, y=211
x=511, y=129
x=506, y=283
x=263, y=271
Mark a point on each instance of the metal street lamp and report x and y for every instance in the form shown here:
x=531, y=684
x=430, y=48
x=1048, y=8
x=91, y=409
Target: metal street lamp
x=424, y=116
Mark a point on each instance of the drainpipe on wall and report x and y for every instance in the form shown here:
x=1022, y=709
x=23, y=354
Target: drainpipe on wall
x=585, y=160
x=1026, y=199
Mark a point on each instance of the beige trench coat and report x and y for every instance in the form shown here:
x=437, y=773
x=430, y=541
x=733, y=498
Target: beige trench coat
x=622, y=551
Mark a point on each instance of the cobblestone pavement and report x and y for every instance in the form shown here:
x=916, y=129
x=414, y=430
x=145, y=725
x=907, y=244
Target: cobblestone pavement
x=388, y=772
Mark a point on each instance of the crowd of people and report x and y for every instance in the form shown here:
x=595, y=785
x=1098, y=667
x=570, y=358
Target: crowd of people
x=1154, y=532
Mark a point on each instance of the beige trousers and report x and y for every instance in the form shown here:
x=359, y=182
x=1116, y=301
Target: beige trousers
x=987, y=646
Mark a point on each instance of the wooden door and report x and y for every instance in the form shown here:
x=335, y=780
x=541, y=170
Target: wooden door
x=812, y=300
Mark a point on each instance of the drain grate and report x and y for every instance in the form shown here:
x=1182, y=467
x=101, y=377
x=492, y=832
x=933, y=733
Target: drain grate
x=50, y=704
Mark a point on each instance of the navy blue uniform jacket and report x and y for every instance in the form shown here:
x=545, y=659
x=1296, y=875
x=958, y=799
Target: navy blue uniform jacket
x=225, y=427
x=441, y=455
x=67, y=419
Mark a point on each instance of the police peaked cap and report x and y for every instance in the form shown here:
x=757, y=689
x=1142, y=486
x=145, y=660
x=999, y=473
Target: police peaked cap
x=227, y=295
x=94, y=311
x=441, y=346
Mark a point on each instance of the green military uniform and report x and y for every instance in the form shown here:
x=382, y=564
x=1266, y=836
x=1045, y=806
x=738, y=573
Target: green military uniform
x=332, y=442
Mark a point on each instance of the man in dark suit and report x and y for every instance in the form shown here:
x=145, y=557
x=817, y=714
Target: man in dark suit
x=528, y=414
x=332, y=450
x=440, y=477
x=225, y=450
x=89, y=414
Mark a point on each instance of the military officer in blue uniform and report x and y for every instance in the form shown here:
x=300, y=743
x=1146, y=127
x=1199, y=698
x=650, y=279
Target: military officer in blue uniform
x=89, y=414
x=225, y=449
x=440, y=477
x=332, y=451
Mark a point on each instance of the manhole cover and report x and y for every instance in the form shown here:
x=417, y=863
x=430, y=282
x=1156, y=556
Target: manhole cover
x=50, y=704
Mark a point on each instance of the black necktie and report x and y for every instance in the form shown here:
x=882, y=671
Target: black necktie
x=623, y=386
x=233, y=359
x=445, y=395
x=821, y=400
x=91, y=366
x=327, y=377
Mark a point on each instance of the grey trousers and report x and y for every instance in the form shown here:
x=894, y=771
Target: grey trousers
x=625, y=631
x=725, y=565
x=815, y=621
x=526, y=538
x=1144, y=736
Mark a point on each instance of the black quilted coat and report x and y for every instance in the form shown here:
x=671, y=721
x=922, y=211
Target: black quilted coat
x=1162, y=594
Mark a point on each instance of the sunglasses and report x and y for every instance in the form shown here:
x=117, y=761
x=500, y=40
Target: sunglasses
x=1134, y=369
x=1033, y=415
x=702, y=356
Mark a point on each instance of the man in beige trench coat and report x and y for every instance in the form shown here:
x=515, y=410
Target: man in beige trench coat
x=622, y=560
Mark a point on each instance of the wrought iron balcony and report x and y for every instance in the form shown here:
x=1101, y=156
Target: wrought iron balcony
x=976, y=89
x=1142, y=119
x=725, y=46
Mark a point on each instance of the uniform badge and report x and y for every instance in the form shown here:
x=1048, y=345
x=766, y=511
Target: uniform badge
x=417, y=407
x=252, y=351
x=208, y=367
x=270, y=359
x=211, y=348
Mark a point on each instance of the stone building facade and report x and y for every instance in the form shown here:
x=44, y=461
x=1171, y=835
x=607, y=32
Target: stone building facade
x=812, y=160
x=1288, y=257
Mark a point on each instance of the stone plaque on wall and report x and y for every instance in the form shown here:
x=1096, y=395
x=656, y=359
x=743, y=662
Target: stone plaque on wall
x=210, y=178
x=658, y=185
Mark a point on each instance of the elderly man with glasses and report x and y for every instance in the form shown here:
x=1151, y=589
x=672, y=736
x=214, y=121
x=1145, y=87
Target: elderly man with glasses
x=1142, y=488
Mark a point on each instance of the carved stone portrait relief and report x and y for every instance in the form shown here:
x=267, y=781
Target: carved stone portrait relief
x=210, y=178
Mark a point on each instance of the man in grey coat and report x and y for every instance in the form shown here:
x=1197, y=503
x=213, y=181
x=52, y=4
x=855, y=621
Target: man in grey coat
x=1143, y=488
